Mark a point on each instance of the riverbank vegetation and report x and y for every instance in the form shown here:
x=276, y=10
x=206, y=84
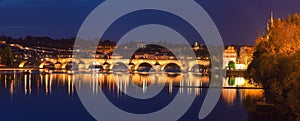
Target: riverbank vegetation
x=6, y=56
x=276, y=65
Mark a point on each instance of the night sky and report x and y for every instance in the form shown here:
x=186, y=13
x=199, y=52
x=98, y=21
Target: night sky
x=239, y=21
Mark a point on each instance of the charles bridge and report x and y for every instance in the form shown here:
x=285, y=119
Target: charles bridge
x=131, y=64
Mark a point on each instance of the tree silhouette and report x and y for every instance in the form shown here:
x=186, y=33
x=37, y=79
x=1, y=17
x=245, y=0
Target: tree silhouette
x=7, y=56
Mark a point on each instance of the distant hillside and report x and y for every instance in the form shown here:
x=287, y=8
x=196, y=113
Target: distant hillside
x=63, y=43
x=48, y=42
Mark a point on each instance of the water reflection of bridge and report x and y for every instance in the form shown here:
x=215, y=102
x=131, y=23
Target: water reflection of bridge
x=109, y=64
x=46, y=84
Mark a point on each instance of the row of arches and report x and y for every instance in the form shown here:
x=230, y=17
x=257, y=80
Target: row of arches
x=119, y=66
x=48, y=64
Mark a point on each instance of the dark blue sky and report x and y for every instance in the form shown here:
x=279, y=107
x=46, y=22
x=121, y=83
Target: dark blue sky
x=239, y=21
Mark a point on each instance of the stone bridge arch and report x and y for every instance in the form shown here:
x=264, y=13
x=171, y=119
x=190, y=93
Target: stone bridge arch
x=176, y=67
x=45, y=63
x=119, y=66
x=69, y=65
x=94, y=65
x=146, y=64
x=22, y=64
x=26, y=64
x=198, y=68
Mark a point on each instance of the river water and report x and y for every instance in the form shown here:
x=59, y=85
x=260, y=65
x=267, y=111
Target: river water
x=43, y=96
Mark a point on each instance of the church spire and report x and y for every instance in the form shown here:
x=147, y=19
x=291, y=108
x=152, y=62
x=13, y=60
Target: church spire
x=196, y=46
x=270, y=25
x=271, y=19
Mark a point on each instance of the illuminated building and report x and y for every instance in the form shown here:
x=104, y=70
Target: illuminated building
x=229, y=54
x=246, y=56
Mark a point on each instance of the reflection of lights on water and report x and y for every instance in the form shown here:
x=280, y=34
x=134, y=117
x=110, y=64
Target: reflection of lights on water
x=144, y=86
x=118, y=80
x=229, y=96
x=30, y=84
x=122, y=83
x=5, y=82
x=101, y=81
x=25, y=84
x=189, y=84
x=40, y=83
x=110, y=80
x=50, y=85
x=237, y=82
x=93, y=83
x=69, y=84
x=198, y=84
x=181, y=87
x=46, y=83
x=15, y=74
x=170, y=87
x=73, y=86
x=12, y=86
x=98, y=81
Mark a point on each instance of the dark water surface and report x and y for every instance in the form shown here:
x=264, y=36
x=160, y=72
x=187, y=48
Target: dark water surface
x=53, y=97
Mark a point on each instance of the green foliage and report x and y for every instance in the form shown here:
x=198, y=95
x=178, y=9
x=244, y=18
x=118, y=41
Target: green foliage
x=276, y=65
x=6, y=56
x=231, y=65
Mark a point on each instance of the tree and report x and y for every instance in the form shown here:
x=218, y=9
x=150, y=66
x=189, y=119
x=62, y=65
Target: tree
x=7, y=56
x=276, y=65
x=231, y=65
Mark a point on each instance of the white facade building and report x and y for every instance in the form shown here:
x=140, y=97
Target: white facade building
x=230, y=54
